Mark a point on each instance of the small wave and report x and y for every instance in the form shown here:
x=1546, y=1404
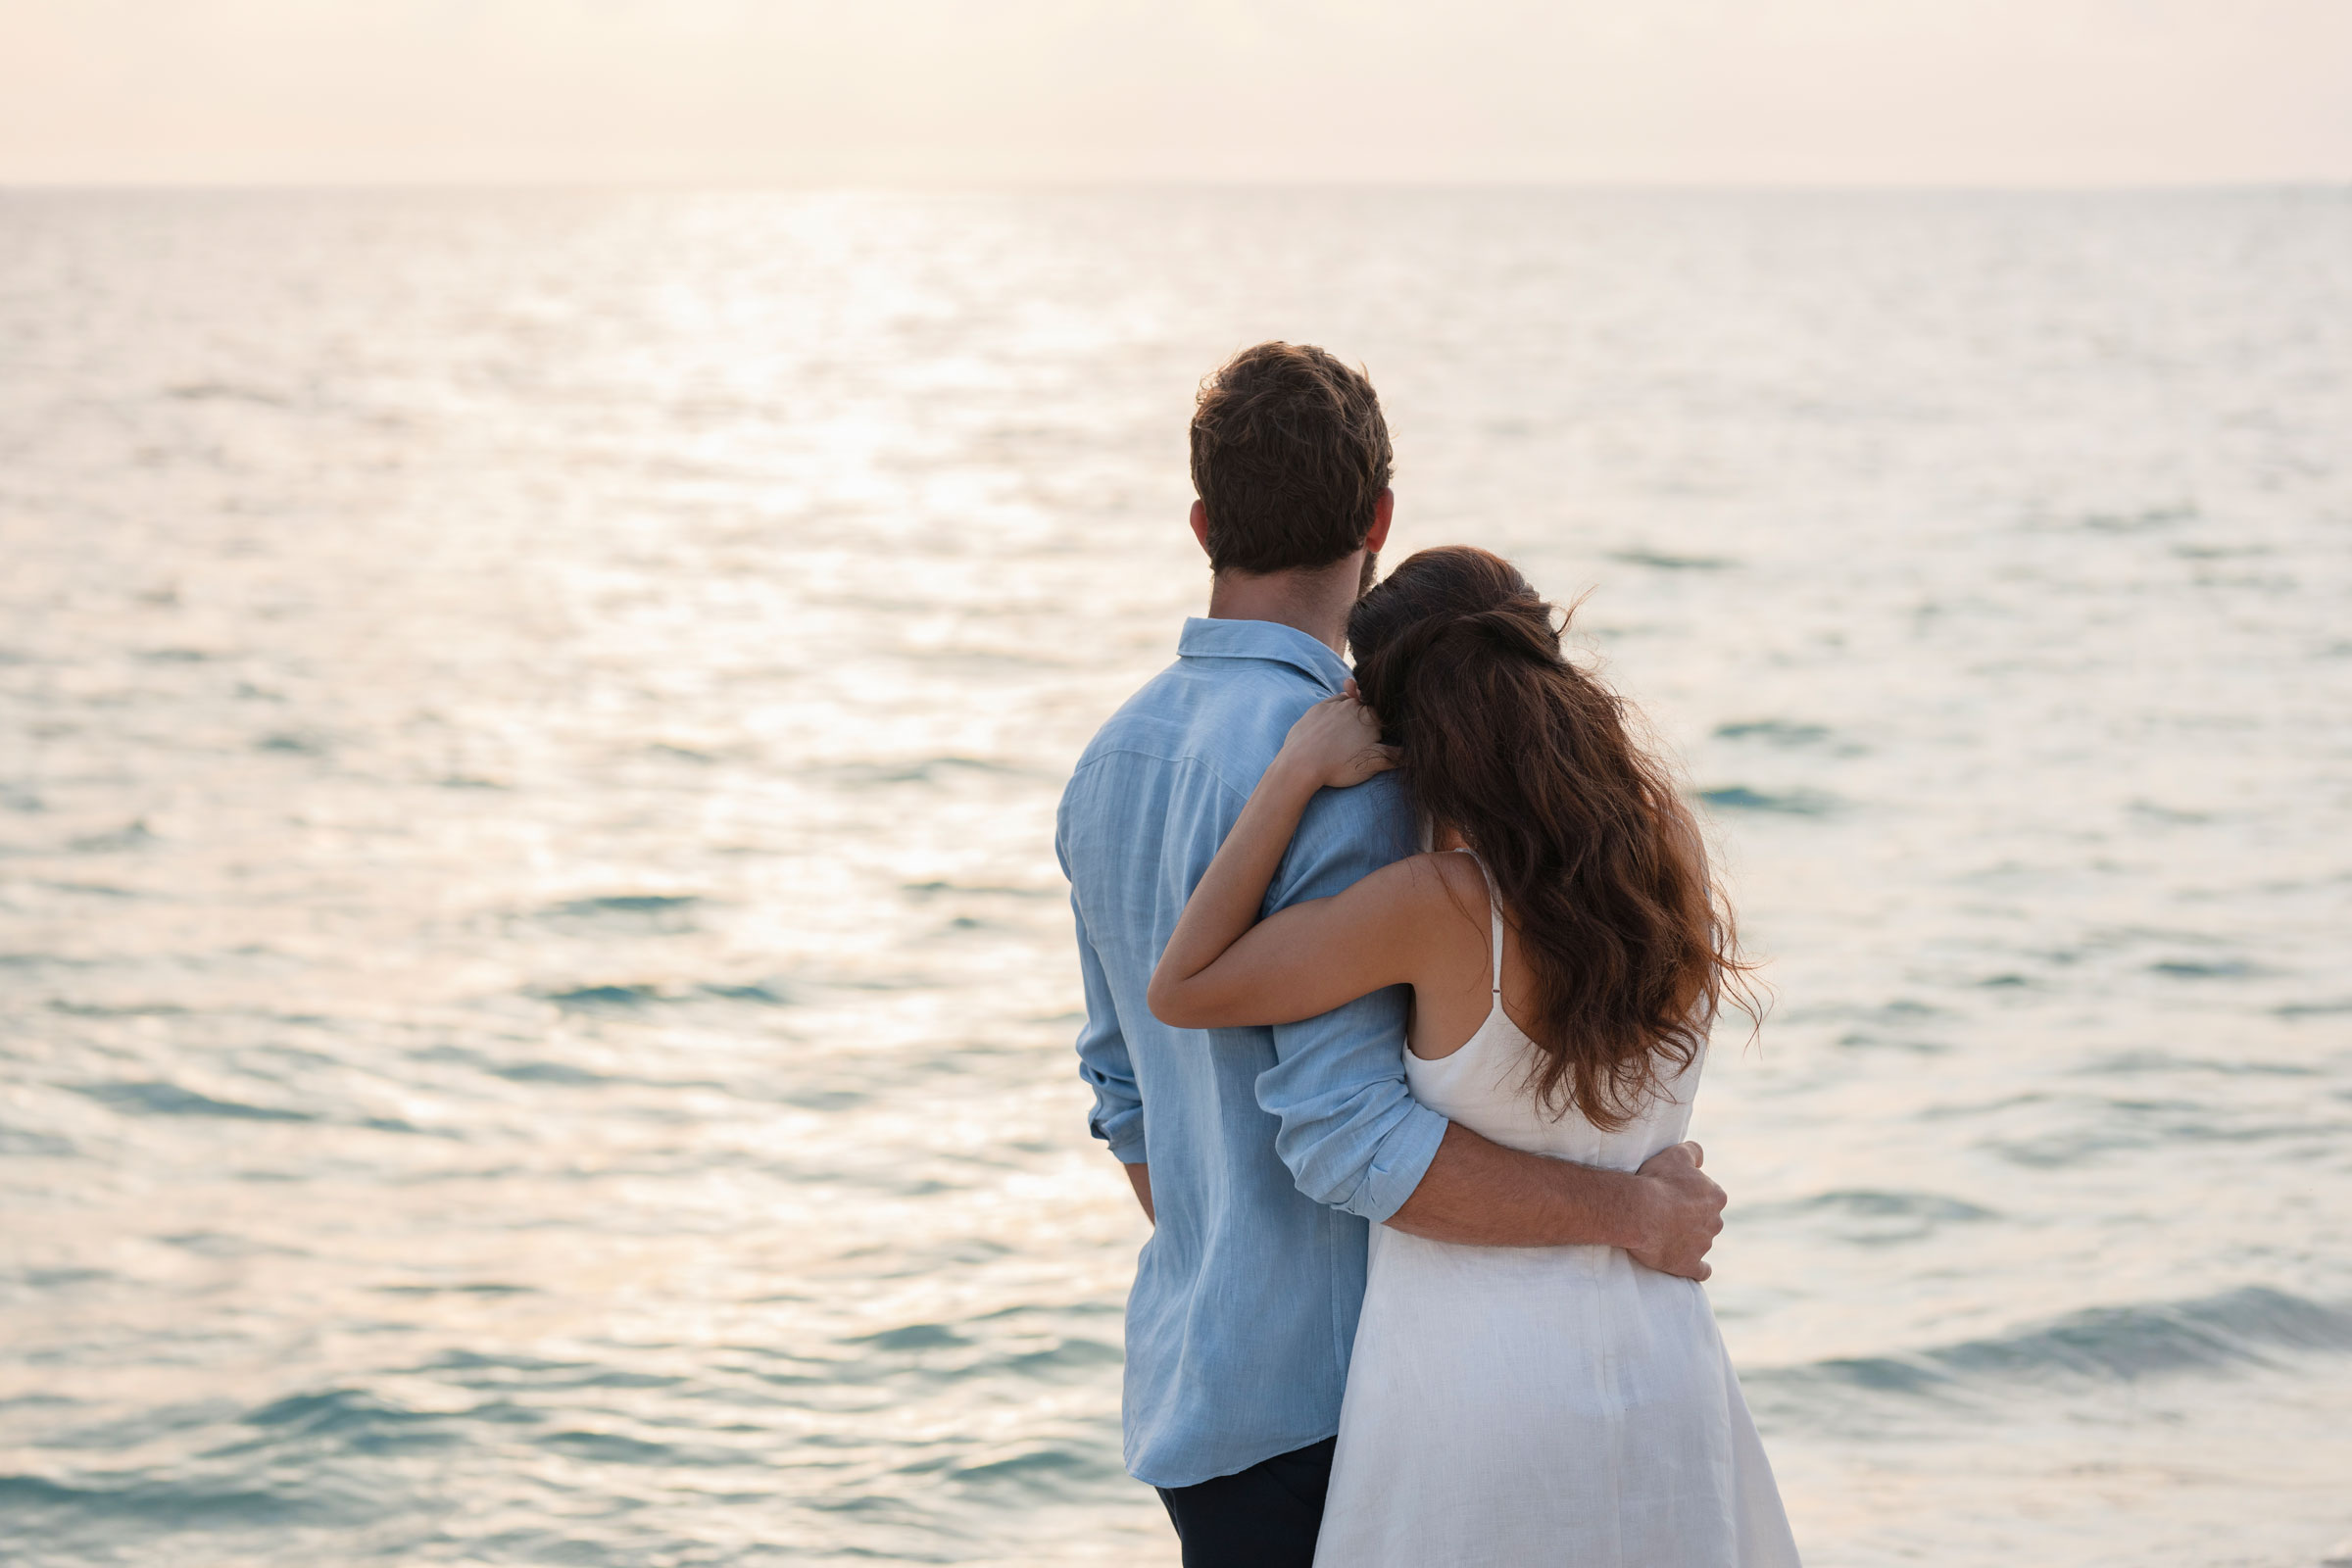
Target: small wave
x=612, y=1447
x=227, y=392
x=1872, y=1204
x=629, y=904
x=763, y=995
x=481, y=1369
x=295, y=743
x=1872, y=1040
x=925, y=770
x=2236, y=1329
x=637, y=997
x=602, y=996
x=1070, y=1356
x=1865, y=1217
x=134, y=1009
x=457, y=1289
x=972, y=922
x=31, y=1142
x=827, y=1100
x=2141, y=522
x=1776, y=731
x=130, y=835
x=169, y=1100
x=548, y=1072
x=1668, y=562
x=350, y=1419
x=975, y=890
x=1789, y=803
x=642, y=913
x=54, y=1279
x=332, y=1410
x=2207, y=969
x=1052, y=1470
x=958, y=1352
x=151, y=1502
x=915, y=1337
x=2170, y=815
x=2137, y=1062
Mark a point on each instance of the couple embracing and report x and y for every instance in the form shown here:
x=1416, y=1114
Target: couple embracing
x=1399, y=981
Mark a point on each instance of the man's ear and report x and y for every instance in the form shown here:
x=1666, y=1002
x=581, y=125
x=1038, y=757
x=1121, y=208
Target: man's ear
x=1383, y=512
x=1200, y=526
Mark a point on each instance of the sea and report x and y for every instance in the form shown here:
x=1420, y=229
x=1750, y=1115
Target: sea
x=536, y=998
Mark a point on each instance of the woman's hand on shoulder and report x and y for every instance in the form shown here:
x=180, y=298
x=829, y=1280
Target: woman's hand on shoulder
x=1336, y=744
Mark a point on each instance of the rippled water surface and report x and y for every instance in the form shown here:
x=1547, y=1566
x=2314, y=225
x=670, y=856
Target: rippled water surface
x=534, y=991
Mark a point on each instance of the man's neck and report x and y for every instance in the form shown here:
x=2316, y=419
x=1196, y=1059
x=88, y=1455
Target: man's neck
x=1314, y=602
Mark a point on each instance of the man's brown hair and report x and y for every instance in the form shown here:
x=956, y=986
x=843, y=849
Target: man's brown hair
x=1290, y=455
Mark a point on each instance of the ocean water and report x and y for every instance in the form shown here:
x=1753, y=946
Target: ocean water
x=535, y=990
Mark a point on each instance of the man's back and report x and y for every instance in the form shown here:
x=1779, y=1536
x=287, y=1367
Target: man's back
x=1269, y=1148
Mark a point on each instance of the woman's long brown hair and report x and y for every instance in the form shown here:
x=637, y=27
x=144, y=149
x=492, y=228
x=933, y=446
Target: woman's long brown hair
x=1602, y=873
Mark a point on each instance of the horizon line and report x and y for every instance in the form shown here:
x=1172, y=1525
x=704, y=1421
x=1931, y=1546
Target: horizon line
x=13, y=185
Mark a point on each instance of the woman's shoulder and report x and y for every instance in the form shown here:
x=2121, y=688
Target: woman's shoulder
x=1436, y=880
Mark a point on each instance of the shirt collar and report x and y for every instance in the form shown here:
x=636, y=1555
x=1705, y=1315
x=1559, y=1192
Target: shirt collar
x=1269, y=640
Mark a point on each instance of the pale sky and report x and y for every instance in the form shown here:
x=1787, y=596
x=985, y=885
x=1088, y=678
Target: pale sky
x=2001, y=92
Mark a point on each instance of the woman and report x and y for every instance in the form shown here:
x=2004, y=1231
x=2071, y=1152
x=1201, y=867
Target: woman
x=1567, y=953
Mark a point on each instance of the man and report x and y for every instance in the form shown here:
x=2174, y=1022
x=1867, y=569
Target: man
x=1264, y=1154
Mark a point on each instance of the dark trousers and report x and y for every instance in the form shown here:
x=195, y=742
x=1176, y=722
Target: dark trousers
x=1263, y=1517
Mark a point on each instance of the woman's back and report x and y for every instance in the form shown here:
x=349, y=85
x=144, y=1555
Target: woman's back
x=1485, y=1083
x=1528, y=1405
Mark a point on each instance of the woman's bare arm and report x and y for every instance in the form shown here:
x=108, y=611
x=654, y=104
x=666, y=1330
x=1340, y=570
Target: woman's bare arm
x=1313, y=957
x=1223, y=966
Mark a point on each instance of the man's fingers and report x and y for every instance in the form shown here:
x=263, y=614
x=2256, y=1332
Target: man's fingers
x=1698, y=1155
x=1671, y=1154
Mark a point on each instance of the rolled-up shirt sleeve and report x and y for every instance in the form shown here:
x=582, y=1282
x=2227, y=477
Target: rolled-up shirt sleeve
x=1351, y=1133
x=1103, y=1061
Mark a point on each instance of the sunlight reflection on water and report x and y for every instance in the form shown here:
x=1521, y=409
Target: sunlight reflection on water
x=539, y=1008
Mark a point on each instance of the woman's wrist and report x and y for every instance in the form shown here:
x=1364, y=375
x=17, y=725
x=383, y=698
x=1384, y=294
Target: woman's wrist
x=1290, y=779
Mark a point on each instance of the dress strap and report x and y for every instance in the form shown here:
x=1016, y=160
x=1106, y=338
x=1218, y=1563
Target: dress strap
x=1494, y=920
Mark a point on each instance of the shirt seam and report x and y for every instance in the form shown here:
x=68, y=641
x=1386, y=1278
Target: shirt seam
x=1095, y=759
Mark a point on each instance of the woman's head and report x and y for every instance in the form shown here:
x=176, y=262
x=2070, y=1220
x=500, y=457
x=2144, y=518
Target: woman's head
x=1529, y=759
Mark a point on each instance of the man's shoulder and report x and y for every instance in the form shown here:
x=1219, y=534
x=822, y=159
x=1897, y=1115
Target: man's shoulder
x=1229, y=715
x=1370, y=824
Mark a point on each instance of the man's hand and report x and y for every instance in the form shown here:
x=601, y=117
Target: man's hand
x=1681, y=1213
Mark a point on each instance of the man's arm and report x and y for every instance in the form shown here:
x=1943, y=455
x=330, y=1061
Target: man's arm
x=1667, y=1214
x=1355, y=1137
x=1103, y=1060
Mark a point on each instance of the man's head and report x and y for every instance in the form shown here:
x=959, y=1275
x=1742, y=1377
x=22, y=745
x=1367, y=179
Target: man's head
x=1291, y=460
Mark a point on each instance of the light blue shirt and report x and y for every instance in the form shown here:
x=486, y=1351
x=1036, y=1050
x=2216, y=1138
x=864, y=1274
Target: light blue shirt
x=1272, y=1149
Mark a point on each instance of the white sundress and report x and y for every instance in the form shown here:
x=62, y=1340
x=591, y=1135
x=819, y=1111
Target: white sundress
x=1508, y=1408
